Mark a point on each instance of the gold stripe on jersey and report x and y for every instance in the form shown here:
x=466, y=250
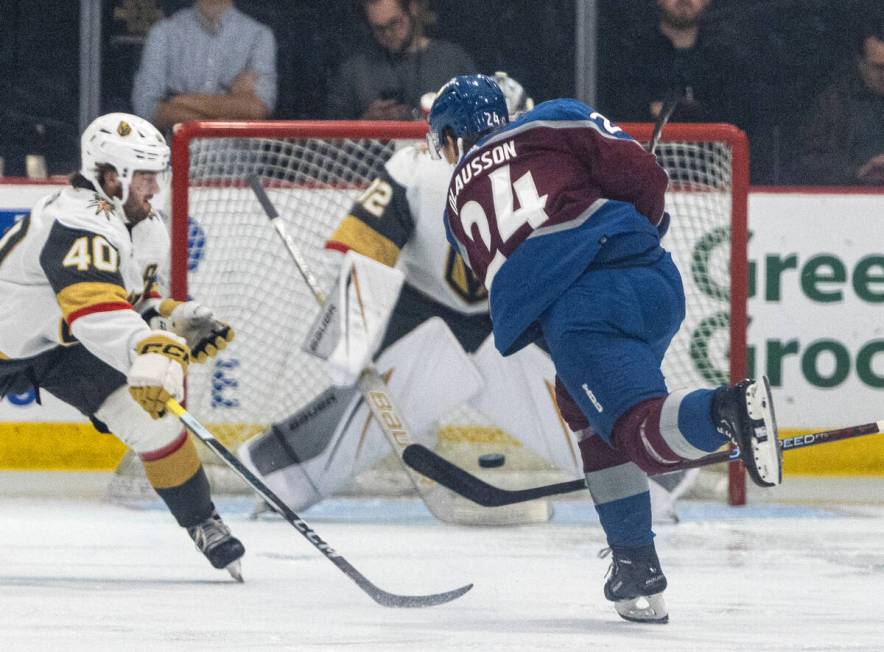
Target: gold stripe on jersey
x=3, y=356
x=175, y=469
x=79, y=296
x=361, y=238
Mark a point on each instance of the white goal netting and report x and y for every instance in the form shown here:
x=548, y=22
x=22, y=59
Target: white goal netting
x=234, y=262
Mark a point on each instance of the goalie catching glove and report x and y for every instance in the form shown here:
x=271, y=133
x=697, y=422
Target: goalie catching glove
x=157, y=372
x=194, y=322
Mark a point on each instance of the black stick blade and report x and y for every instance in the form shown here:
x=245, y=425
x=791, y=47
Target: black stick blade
x=449, y=475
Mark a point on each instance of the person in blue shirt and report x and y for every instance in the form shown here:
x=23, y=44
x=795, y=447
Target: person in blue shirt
x=206, y=62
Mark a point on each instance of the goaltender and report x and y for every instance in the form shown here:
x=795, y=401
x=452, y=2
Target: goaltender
x=83, y=318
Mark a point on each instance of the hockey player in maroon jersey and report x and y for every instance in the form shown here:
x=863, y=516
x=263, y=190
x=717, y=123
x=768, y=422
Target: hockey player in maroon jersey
x=560, y=214
x=83, y=318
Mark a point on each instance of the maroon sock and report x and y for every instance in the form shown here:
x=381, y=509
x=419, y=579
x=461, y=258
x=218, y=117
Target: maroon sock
x=598, y=455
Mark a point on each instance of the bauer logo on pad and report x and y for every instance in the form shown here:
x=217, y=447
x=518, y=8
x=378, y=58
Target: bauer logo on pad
x=352, y=322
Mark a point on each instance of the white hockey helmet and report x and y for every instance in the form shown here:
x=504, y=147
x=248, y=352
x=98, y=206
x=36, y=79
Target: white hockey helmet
x=128, y=143
x=517, y=100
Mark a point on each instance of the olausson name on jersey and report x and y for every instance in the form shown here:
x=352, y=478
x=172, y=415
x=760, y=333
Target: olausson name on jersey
x=495, y=156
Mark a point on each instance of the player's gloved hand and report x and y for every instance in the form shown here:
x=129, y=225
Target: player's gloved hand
x=194, y=322
x=157, y=373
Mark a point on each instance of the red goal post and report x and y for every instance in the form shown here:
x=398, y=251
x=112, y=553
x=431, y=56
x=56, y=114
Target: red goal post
x=332, y=162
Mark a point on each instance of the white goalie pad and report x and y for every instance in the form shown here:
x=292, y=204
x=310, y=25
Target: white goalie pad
x=428, y=374
x=349, y=328
x=519, y=396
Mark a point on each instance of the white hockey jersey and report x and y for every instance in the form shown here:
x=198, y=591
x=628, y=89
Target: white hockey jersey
x=398, y=221
x=73, y=271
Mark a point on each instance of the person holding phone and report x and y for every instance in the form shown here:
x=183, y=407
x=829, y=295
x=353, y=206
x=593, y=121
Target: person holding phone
x=400, y=64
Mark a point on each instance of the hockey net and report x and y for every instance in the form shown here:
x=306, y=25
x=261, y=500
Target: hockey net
x=225, y=255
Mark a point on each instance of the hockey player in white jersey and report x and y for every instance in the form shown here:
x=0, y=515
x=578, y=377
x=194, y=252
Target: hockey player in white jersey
x=442, y=313
x=84, y=320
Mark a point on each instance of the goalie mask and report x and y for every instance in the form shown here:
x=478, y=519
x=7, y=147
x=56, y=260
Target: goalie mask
x=517, y=100
x=129, y=143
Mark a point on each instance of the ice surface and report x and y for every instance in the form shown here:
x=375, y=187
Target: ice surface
x=83, y=575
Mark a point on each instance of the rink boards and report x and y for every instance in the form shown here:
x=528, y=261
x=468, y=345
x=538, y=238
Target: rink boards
x=816, y=283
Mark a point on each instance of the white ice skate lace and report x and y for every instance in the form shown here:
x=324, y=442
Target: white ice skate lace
x=209, y=533
x=605, y=552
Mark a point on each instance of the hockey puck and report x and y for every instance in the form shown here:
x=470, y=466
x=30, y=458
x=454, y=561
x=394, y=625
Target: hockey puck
x=491, y=460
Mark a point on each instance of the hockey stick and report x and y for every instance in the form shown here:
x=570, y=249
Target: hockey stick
x=480, y=492
x=666, y=110
x=380, y=596
x=370, y=384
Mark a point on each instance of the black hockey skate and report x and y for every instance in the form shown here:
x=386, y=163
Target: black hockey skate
x=635, y=585
x=744, y=413
x=223, y=550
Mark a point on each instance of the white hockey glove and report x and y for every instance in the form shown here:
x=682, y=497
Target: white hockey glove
x=205, y=335
x=157, y=372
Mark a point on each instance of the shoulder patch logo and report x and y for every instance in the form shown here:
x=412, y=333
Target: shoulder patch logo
x=101, y=206
x=123, y=128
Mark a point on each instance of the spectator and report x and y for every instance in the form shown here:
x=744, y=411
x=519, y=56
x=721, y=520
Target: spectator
x=679, y=56
x=386, y=81
x=206, y=62
x=842, y=138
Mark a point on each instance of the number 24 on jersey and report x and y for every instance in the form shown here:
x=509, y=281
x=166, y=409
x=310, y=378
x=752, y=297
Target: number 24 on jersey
x=509, y=220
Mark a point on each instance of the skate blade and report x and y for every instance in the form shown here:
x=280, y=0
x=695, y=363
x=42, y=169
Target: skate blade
x=644, y=609
x=766, y=450
x=235, y=570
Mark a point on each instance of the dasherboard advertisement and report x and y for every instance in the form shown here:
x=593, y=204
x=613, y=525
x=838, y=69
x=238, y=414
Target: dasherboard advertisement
x=816, y=305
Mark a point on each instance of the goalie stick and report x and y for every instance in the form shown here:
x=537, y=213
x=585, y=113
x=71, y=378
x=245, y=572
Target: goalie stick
x=380, y=596
x=666, y=110
x=480, y=492
x=371, y=385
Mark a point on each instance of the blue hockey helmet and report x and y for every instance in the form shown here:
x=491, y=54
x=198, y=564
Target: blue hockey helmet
x=467, y=106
